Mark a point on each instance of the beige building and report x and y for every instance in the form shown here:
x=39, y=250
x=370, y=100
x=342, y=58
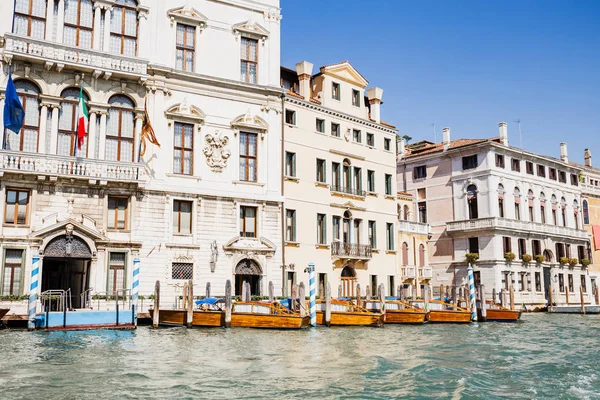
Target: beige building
x=339, y=186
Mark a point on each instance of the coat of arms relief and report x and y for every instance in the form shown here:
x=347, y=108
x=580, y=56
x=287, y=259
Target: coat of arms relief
x=216, y=151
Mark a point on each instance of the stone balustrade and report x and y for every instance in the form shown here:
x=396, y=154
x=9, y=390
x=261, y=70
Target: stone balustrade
x=414, y=227
x=482, y=224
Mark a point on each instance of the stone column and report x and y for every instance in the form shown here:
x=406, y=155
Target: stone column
x=139, y=120
x=102, y=133
x=54, y=128
x=97, y=26
x=60, y=21
x=49, y=20
x=43, y=125
x=107, y=17
x=91, y=145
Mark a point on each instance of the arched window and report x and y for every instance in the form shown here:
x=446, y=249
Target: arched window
x=79, y=20
x=472, y=201
x=542, y=208
x=554, y=202
x=27, y=138
x=404, y=253
x=421, y=255
x=347, y=174
x=124, y=28
x=547, y=255
x=586, y=213
x=30, y=18
x=67, y=123
x=406, y=213
x=576, y=213
x=119, y=129
x=347, y=226
x=501, y=201
x=563, y=210
x=530, y=204
x=517, y=194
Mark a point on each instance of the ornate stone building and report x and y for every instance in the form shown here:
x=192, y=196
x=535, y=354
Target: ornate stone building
x=205, y=205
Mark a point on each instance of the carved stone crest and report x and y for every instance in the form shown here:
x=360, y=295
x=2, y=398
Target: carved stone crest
x=216, y=151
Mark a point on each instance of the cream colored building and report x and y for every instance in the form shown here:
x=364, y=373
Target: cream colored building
x=339, y=180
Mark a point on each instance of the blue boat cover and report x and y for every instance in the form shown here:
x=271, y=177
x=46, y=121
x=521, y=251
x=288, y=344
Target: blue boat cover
x=392, y=298
x=344, y=298
x=209, y=300
x=286, y=303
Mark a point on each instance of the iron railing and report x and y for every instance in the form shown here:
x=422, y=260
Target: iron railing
x=351, y=250
x=348, y=190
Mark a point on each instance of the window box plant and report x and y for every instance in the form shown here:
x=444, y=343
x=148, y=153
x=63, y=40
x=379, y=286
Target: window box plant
x=510, y=256
x=573, y=262
x=471, y=257
x=563, y=260
x=585, y=263
x=526, y=258
x=539, y=258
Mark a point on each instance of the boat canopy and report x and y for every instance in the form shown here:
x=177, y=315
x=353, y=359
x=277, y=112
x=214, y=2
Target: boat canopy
x=209, y=300
x=392, y=298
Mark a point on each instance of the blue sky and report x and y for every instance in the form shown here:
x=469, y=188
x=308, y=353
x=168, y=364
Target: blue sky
x=465, y=64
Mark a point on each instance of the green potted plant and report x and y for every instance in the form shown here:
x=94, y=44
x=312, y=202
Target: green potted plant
x=573, y=262
x=563, y=260
x=526, y=258
x=539, y=258
x=510, y=256
x=471, y=257
x=585, y=263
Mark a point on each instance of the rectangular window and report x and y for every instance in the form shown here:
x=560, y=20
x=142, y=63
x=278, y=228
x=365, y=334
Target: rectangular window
x=562, y=176
x=358, y=179
x=322, y=284
x=290, y=164
x=423, y=212
x=248, y=221
x=536, y=247
x=30, y=18
x=516, y=165
x=370, y=140
x=335, y=91
x=522, y=247
x=420, y=172
x=185, y=48
x=571, y=286
x=335, y=174
x=389, y=236
x=474, y=245
x=335, y=129
x=538, y=282
x=560, y=251
x=321, y=172
x=183, y=149
x=321, y=228
x=182, y=271
x=501, y=208
x=355, y=98
x=12, y=273
x=356, y=136
x=248, y=156
x=290, y=117
x=373, y=282
x=370, y=181
x=388, y=184
x=541, y=171
x=499, y=161
x=552, y=173
x=116, y=272
x=337, y=225
x=372, y=234
x=469, y=162
x=531, y=218
x=574, y=180
x=529, y=167
x=543, y=214
x=290, y=225
x=580, y=253
x=249, y=60
x=387, y=144
x=182, y=217
x=583, y=284
x=517, y=211
x=117, y=212
x=568, y=250
x=16, y=208
x=320, y=125
x=561, y=282
x=506, y=244
x=522, y=282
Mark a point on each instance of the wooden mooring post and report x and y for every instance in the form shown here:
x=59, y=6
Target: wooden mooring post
x=207, y=290
x=453, y=294
x=567, y=294
x=597, y=296
x=228, y=303
x=190, y=304
x=582, y=300
x=156, y=311
x=512, y=297
x=550, y=300
x=327, y=315
x=244, y=289
x=294, y=297
x=321, y=291
x=442, y=294
x=302, y=299
x=482, y=309
x=358, y=299
x=184, y=296
x=502, y=298
x=381, y=297
x=494, y=301
x=248, y=292
x=271, y=294
x=399, y=292
x=340, y=291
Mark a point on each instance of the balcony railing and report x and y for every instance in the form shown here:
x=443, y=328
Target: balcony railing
x=426, y=272
x=414, y=227
x=483, y=224
x=70, y=167
x=348, y=190
x=62, y=55
x=409, y=272
x=351, y=250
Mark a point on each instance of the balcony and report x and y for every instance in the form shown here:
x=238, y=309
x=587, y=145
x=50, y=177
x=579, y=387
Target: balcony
x=409, y=272
x=343, y=190
x=425, y=272
x=53, y=166
x=351, y=251
x=61, y=56
x=512, y=225
x=418, y=228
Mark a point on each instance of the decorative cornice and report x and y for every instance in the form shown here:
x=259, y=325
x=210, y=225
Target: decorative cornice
x=251, y=29
x=187, y=15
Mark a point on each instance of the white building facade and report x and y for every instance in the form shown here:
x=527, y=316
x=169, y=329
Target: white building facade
x=205, y=205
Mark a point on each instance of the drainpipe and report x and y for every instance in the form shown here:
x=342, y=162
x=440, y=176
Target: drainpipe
x=282, y=195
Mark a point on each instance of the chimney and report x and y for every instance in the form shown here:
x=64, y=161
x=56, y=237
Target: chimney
x=304, y=71
x=446, y=138
x=587, y=156
x=375, y=94
x=401, y=147
x=563, y=152
x=503, y=130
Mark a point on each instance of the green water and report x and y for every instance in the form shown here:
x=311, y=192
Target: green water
x=544, y=356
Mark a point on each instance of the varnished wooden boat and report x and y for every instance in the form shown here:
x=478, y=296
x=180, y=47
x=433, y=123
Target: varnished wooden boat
x=3, y=312
x=441, y=312
x=209, y=314
x=257, y=314
x=399, y=312
x=346, y=313
x=495, y=312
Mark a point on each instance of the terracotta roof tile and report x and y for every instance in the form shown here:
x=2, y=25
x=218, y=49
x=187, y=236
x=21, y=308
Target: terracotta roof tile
x=406, y=194
x=430, y=148
x=315, y=101
x=294, y=94
x=381, y=122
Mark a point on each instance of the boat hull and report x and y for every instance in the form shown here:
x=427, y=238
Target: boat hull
x=449, y=316
x=405, y=317
x=3, y=312
x=351, y=319
x=268, y=321
x=499, y=315
x=200, y=318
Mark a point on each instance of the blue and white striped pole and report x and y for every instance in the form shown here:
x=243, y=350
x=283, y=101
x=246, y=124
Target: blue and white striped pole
x=33, y=289
x=135, y=288
x=472, y=293
x=312, y=287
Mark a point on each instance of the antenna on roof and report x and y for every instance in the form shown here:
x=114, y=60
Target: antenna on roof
x=518, y=121
x=434, y=134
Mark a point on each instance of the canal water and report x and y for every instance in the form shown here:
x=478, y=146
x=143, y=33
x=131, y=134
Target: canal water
x=544, y=356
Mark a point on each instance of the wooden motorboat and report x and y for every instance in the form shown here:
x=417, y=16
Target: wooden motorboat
x=209, y=314
x=399, y=312
x=346, y=313
x=3, y=312
x=441, y=312
x=270, y=315
x=496, y=312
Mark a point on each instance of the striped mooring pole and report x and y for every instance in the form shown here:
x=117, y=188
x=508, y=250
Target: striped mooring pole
x=135, y=288
x=33, y=289
x=312, y=287
x=472, y=293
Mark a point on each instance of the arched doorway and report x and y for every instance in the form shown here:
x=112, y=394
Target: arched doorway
x=348, y=278
x=248, y=271
x=66, y=265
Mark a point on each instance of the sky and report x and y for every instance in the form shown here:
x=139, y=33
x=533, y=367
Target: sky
x=465, y=64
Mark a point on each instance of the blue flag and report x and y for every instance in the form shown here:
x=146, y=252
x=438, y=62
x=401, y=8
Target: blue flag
x=13, y=109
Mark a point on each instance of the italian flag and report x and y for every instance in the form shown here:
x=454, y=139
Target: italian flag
x=82, y=120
